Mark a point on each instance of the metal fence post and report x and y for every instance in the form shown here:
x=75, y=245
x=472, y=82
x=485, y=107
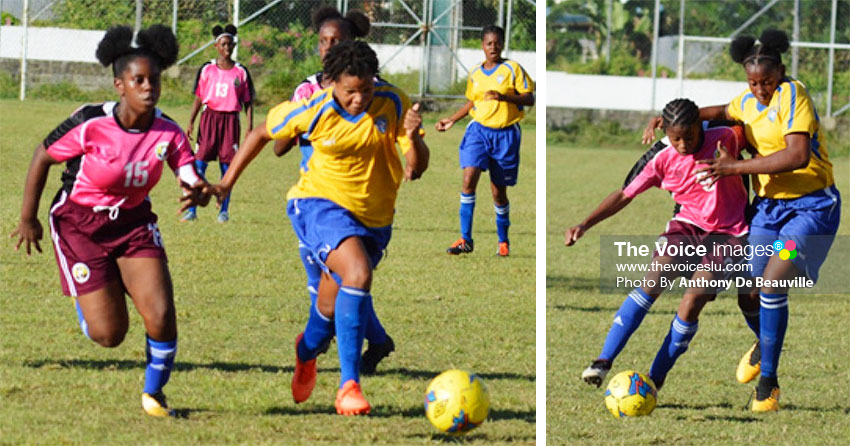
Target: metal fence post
x=174, y=17
x=656, y=17
x=138, y=15
x=423, y=72
x=831, y=58
x=508, y=26
x=609, y=11
x=795, y=37
x=680, y=66
x=26, y=20
x=235, y=23
x=501, y=18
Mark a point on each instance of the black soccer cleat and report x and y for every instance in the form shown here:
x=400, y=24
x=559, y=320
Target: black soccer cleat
x=374, y=354
x=461, y=246
x=597, y=371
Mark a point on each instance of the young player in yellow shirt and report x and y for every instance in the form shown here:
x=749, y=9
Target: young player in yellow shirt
x=497, y=90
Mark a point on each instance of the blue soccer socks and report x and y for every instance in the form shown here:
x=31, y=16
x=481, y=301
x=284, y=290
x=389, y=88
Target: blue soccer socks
x=774, y=321
x=503, y=221
x=351, y=318
x=626, y=321
x=674, y=345
x=225, y=205
x=467, y=209
x=317, y=334
x=160, y=361
x=83, y=325
x=201, y=168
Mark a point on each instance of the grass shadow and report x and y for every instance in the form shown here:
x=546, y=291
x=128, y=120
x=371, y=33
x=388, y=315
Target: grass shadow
x=389, y=411
x=593, y=309
x=428, y=374
x=186, y=413
x=572, y=283
x=676, y=406
x=104, y=364
x=846, y=410
x=470, y=438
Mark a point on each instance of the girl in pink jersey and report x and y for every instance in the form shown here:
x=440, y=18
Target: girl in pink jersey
x=223, y=87
x=706, y=215
x=333, y=28
x=104, y=234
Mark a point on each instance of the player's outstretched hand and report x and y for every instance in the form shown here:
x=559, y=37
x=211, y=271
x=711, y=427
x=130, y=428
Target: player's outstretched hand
x=220, y=191
x=189, y=131
x=412, y=120
x=649, y=131
x=715, y=168
x=444, y=124
x=573, y=234
x=194, y=195
x=29, y=231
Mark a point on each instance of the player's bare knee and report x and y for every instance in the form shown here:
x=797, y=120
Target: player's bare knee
x=359, y=276
x=108, y=337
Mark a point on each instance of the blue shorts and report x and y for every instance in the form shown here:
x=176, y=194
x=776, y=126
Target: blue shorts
x=321, y=225
x=493, y=149
x=811, y=221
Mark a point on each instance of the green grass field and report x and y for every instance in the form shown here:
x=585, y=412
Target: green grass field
x=241, y=299
x=701, y=402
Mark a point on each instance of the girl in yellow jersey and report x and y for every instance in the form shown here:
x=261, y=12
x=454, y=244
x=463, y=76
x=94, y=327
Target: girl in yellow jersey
x=796, y=206
x=342, y=206
x=497, y=90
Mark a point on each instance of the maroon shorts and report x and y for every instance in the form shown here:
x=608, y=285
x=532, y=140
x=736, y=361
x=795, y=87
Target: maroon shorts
x=721, y=249
x=87, y=243
x=218, y=136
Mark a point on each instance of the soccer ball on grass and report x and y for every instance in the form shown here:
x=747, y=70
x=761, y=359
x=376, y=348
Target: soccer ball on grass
x=630, y=394
x=456, y=402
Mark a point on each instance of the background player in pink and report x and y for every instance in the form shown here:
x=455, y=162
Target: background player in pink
x=104, y=234
x=333, y=28
x=223, y=87
x=706, y=215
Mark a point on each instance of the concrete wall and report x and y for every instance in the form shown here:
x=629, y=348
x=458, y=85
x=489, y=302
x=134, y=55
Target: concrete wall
x=633, y=93
x=71, y=45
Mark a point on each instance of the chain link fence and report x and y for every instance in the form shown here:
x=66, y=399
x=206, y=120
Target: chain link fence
x=426, y=47
x=616, y=38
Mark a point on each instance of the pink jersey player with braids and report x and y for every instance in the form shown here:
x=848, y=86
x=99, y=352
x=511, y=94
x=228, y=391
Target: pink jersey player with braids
x=104, y=234
x=708, y=215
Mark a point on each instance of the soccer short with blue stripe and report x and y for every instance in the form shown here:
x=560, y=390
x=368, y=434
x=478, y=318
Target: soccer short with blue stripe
x=496, y=150
x=811, y=221
x=321, y=225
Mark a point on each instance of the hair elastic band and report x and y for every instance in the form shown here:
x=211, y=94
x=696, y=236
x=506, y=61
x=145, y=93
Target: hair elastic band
x=223, y=35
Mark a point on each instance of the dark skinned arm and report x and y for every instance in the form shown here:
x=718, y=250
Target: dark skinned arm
x=612, y=204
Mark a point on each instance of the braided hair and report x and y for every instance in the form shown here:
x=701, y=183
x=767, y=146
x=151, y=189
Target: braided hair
x=493, y=29
x=680, y=113
x=352, y=57
x=353, y=24
x=768, y=50
x=120, y=46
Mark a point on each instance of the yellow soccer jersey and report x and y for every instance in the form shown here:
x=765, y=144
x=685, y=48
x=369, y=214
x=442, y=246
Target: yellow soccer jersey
x=355, y=163
x=507, y=78
x=790, y=111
